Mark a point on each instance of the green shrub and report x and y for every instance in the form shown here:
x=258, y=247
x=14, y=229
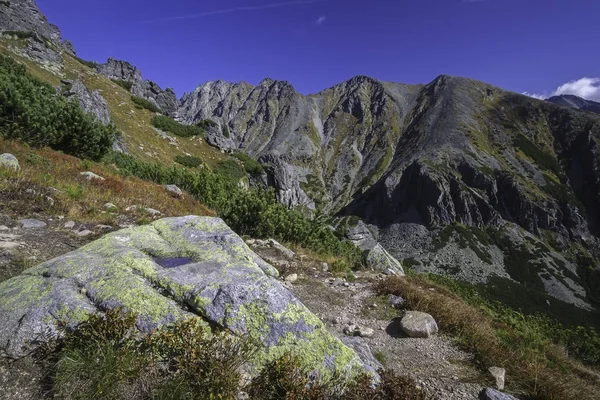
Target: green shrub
x=142, y=103
x=544, y=160
x=188, y=161
x=250, y=164
x=91, y=64
x=32, y=112
x=206, y=124
x=231, y=169
x=168, y=124
x=124, y=84
x=253, y=212
x=226, y=131
x=20, y=34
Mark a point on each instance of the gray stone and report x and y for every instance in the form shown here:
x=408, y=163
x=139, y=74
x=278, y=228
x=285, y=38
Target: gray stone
x=90, y=176
x=120, y=70
x=166, y=100
x=69, y=225
x=110, y=207
x=499, y=374
x=281, y=249
x=364, y=352
x=380, y=260
x=67, y=45
x=90, y=102
x=104, y=228
x=361, y=236
x=396, y=301
x=292, y=278
x=172, y=269
x=32, y=223
x=9, y=161
x=357, y=330
x=174, y=190
x=417, y=324
x=84, y=233
x=493, y=394
x=153, y=212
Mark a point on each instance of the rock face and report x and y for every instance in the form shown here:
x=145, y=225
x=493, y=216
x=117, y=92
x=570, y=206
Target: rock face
x=25, y=16
x=91, y=102
x=120, y=70
x=570, y=100
x=283, y=177
x=171, y=269
x=166, y=99
x=9, y=161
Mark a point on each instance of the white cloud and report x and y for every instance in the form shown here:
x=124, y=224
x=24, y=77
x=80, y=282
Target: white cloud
x=321, y=19
x=587, y=88
x=536, y=96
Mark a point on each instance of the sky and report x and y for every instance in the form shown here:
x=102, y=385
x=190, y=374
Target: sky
x=538, y=47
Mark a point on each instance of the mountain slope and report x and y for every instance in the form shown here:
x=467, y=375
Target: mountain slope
x=576, y=102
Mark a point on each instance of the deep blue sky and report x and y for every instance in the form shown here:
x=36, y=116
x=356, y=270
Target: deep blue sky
x=520, y=45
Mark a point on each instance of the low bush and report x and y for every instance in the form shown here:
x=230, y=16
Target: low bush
x=252, y=212
x=91, y=64
x=231, y=169
x=142, y=103
x=32, y=112
x=167, y=124
x=188, y=161
x=105, y=359
x=251, y=166
x=124, y=84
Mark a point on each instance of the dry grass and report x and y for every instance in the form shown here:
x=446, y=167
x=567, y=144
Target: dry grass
x=50, y=183
x=534, y=365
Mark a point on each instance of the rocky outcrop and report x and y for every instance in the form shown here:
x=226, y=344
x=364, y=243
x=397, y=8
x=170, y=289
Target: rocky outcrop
x=284, y=178
x=25, y=16
x=120, y=70
x=91, y=102
x=166, y=99
x=187, y=267
x=379, y=259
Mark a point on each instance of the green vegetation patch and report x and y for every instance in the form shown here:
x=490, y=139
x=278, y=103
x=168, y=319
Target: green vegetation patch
x=251, y=166
x=543, y=159
x=124, y=84
x=188, y=161
x=142, y=103
x=90, y=64
x=231, y=169
x=31, y=111
x=168, y=124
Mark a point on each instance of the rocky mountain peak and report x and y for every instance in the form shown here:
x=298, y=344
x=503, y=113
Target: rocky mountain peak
x=120, y=70
x=573, y=101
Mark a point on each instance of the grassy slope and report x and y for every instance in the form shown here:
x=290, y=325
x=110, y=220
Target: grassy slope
x=134, y=123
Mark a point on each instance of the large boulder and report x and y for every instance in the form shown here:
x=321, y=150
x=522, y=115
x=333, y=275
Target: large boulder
x=418, y=324
x=9, y=161
x=171, y=269
x=120, y=70
x=380, y=260
x=91, y=102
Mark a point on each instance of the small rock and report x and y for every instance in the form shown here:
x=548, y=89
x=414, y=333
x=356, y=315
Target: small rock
x=109, y=207
x=291, y=278
x=131, y=208
x=4, y=228
x=325, y=267
x=357, y=330
x=281, y=248
x=104, y=228
x=49, y=200
x=84, y=233
x=396, y=301
x=69, y=225
x=417, y=324
x=174, y=190
x=380, y=260
x=500, y=375
x=32, y=223
x=346, y=284
x=493, y=394
x=90, y=176
x=9, y=161
x=152, y=212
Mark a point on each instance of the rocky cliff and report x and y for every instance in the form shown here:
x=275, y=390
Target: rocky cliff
x=25, y=16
